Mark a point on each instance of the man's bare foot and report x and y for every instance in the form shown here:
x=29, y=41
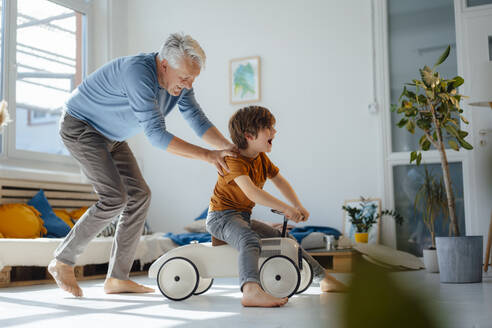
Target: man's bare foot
x=253, y=295
x=115, y=286
x=65, y=277
x=331, y=285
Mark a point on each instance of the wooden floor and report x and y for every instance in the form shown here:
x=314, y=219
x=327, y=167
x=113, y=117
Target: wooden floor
x=461, y=306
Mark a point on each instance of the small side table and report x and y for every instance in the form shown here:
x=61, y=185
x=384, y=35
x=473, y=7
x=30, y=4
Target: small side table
x=337, y=260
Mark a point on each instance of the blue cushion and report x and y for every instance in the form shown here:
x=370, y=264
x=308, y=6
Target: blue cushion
x=55, y=226
x=202, y=215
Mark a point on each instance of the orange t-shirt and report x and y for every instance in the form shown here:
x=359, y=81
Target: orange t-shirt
x=227, y=194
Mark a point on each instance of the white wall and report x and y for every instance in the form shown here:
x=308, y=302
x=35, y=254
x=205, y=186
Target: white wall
x=316, y=74
x=475, y=29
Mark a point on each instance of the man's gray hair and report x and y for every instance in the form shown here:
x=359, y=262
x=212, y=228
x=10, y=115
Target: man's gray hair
x=177, y=46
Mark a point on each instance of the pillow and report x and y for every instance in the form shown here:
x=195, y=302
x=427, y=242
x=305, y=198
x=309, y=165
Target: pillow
x=55, y=226
x=20, y=221
x=314, y=240
x=64, y=216
x=196, y=226
x=202, y=215
x=76, y=214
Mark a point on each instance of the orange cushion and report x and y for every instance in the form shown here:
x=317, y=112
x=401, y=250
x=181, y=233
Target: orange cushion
x=20, y=221
x=76, y=214
x=64, y=216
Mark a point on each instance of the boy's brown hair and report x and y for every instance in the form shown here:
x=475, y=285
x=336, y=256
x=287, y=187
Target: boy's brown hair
x=250, y=120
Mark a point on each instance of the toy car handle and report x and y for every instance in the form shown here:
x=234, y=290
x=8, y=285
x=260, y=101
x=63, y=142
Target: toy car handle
x=284, y=226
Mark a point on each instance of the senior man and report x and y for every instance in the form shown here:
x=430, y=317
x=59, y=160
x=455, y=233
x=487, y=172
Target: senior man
x=120, y=99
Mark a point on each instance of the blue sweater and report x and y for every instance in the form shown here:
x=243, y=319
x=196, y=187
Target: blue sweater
x=123, y=97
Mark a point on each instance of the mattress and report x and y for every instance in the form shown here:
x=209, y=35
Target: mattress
x=39, y=251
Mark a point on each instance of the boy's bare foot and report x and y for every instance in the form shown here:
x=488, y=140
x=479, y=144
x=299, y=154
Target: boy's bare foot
x=253, y=295
x=331, y=285
x=115, y=286
x=65, y=277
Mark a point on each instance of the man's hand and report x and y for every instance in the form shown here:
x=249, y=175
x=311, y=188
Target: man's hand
x=232, y=147
x=216, y=157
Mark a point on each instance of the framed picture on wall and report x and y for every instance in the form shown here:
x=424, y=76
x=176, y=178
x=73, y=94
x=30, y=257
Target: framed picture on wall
x=369, y=206
x=244, y=80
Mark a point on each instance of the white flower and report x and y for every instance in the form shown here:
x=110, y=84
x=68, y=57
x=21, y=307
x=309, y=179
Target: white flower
x=4, y=114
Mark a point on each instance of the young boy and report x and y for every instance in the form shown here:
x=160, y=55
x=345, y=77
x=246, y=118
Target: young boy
x=235, y=194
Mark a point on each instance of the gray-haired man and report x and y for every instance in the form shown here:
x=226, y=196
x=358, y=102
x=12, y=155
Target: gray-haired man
x=120, y=99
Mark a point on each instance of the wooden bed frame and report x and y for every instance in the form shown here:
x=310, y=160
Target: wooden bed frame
x=61, y=195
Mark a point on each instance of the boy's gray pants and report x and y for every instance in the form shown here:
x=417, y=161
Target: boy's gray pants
x=236, y=229
x=113, y=172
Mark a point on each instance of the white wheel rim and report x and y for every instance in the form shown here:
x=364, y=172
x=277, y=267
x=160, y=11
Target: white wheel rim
x=203, y=284
x=305, y=275
x=177, y=279
x=279, y=277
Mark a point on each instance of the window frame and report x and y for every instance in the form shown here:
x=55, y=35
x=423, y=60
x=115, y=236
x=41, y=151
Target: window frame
x=383, y=96
x=12, y=157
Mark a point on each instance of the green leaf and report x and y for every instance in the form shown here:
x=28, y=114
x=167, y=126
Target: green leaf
x=443, y=57
x=424, y=123
x=429, y=94
x=413, y=156
x=402, y=122
x=462, y=133
x=457, y=81
x=410, y=126
x=393, y=107
x=453, y=145
x=426, y=145
x=427, y=76
x=464, y=144
x=419, y=158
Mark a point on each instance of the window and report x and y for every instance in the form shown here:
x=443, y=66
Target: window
x=413, y=236
x=474, y=3
x=416, y=34
x=49, y=66
x=1, y=63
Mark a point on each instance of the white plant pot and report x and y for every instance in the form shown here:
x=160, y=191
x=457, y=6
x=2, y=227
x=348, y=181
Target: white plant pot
x=430, y=260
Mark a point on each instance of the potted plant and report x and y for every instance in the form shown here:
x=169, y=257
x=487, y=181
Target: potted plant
x=431, y=200
x=364, y=217
x=434, y=108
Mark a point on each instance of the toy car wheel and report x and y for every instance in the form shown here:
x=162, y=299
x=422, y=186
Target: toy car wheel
x=177, y=278
x=203, y=285
x=279, y=276
x=306, y=276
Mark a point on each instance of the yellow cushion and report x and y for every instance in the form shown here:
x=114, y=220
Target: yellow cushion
x=76, y=214
x=20, y=221
x=64, y=216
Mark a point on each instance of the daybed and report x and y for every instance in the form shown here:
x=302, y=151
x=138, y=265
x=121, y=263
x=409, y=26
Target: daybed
x=20, y=253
